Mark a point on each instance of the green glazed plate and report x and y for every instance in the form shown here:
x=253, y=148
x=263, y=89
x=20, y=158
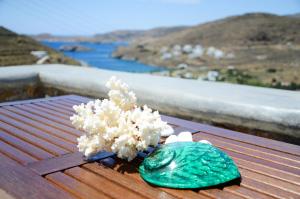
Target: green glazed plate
x=188, y=165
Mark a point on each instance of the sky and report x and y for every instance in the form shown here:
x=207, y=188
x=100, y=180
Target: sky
x=88, y=17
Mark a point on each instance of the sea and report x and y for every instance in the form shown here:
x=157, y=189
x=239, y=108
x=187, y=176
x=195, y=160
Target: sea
x=100, y=56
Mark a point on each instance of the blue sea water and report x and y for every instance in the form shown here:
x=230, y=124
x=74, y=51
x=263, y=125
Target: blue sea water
x=100, y=56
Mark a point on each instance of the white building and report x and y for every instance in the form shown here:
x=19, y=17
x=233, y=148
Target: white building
x=187, y=48
x=212, y=75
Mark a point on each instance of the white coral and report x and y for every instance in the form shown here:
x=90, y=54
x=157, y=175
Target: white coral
x=118, y=124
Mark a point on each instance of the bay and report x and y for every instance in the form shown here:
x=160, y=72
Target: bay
x=100, y=56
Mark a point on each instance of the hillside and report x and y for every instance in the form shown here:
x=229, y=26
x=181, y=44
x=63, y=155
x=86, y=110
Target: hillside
x=262, y=49
x=248, y=29
x=297, y=15
x=17, y=50
x=114, y=36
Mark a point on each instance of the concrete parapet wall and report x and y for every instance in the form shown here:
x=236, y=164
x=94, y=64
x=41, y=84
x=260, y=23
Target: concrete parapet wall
x=242, y=107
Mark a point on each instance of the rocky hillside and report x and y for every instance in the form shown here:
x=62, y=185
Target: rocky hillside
x=20, y=50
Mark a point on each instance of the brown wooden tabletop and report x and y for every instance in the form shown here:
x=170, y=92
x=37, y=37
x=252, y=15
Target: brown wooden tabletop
x=39, y=159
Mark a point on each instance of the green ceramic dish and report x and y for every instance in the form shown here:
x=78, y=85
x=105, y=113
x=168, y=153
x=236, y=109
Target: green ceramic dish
x=188, y=165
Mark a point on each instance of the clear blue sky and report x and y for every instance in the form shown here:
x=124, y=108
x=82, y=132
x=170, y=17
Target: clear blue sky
x=87, y=17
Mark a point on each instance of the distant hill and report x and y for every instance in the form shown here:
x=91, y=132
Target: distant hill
x=115, y=36
x=16, y=50
x=248, y=29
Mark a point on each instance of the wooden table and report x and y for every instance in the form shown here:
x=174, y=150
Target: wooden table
x=39, y=159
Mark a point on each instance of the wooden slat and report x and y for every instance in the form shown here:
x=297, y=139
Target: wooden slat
x=25, y=146
x=108, y=173
x=267, y=189
x=60, y=105
x=53, y=110
x=216, y=193
x=268, y=171
x=280, y=154
x=44, y=108
x=51, y=148
x=44, y=120
x=102, y=184
x=126, y=181
x=39, y=100
x=15, y=154
x=77, y=98
x=262, y=162
x=131, y=169
x=68, y=102
x=15, y=126
x=29, y=131
x=66, y=161
x=23, y=183
x=74, y=187
x=44, y=114
x=247, y=193
x=287, y=186
x=254, y=153
x=31, y=125
x=54, y=106
x=263, y=142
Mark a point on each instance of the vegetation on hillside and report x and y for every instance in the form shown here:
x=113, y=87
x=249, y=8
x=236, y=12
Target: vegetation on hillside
x=17, y=50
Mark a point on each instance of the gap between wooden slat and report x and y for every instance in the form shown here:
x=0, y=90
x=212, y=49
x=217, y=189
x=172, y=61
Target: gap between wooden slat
x=44, y=120
x=52, y=137
x=34, y=125
x=249, y=151
x=55, y=107
x=36, y=100
x=268, y=171
x=289, y=187
x=102, y=184
x=139, y=186
x=36, y=141
x=74, y=187
x=23, y=183
x=282, y=155
x=234, y=135
x=25, y=146
x=16, y=154
x=79, y=99
x=133, y=168
x=248, y=193
x=44, y=114
x=12, y=149
x=50, y=110
x=70, y=103
x=42, y=107
x=62, y=105
x=62, y=162
x=267, y=189
x=260, y=161
x=56, y=104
